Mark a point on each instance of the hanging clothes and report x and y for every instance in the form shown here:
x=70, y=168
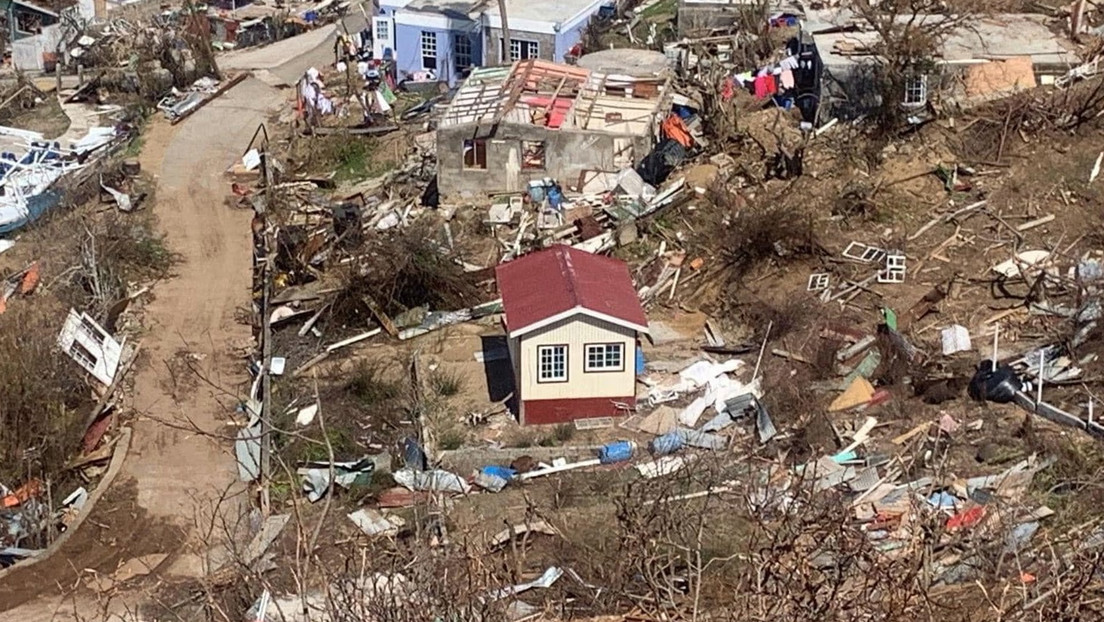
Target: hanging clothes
x=381, y=102
x=787, y=79
x=388, y=95
x=764, y=87
x=790, y=62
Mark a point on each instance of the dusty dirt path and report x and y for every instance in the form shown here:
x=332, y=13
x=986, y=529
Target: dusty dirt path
x=173, y=476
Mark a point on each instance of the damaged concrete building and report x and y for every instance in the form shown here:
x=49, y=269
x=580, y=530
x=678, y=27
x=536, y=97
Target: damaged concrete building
x=698, y=18
x=982, y=59
x=536, y=120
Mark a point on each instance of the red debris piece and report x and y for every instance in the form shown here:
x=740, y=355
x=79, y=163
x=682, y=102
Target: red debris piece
x=966, y=518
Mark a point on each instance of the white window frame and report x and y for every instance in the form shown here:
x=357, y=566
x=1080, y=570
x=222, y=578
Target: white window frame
x=429, y=48
x=916, y=90
x=92, y=331
x=83, y=356
x=531, y=47
x=383, y=30
x=547, y=363
x=462, y=51
x=604, y=357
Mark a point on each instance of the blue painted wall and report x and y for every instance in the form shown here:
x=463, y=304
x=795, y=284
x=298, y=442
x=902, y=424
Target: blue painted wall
x=565, y=39
x=568, y=37
x=408, y=49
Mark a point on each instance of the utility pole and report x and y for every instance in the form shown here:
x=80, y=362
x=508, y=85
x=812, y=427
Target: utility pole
x=504, y=51
x=1076, y=15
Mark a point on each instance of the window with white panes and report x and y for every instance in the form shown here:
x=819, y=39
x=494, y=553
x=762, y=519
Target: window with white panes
x=552, y=364
x=521, y=49
x=429, y=50
x=605, y=357
x=916, y=90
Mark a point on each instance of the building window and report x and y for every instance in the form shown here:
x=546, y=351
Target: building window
x=462, y=53
x=916, y=90
x=91, y=331
x=429, y=50
x=28, y=23
x=605, y=357
x=521, y=49
x=83, y=356
x=532, y=155
x=552, y=364
x=475, y=154
x=383, y=30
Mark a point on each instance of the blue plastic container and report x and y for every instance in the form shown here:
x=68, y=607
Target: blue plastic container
x=667, y=444
x=505, y=473
x=555, y=197
x=618, y=451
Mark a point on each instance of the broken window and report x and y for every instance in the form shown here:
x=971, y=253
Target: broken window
x=91, y=331
x=916, y=90
x=552, y=364
x=532, y=155
x=605, y=357
x=462, y=52
x=521, y=49
x=28, y=23
x=83, y=356
x=429, y=50
x=475, y=153
x=622, y=153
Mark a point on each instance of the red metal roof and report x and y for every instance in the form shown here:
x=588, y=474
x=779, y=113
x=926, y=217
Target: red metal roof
x=556, y=280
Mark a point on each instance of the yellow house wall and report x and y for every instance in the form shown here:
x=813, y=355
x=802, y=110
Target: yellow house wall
x=575, y=333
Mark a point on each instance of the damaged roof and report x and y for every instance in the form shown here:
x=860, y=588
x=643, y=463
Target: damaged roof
x=841, y=40
x=556, y=96
x=544, y=287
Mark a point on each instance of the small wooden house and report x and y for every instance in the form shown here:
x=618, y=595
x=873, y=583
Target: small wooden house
x=572, y=320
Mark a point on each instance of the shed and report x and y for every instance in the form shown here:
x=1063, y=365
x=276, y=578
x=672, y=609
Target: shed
x=572, y=320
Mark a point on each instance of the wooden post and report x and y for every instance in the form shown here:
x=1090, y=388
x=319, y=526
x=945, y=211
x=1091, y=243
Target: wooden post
x=266, y=337
x=504, y=51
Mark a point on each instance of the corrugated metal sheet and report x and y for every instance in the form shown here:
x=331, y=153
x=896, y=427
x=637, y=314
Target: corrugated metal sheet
x=543, y=284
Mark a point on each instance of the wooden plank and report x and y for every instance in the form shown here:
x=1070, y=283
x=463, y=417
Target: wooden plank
x=594, y=101
x=516, y=87
x=105, y=400
x=229, y=84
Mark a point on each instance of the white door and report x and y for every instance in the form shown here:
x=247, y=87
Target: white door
x=513, y=169
x=383, y=37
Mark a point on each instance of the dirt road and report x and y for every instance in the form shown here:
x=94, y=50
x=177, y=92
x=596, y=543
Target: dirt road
x=175, y=473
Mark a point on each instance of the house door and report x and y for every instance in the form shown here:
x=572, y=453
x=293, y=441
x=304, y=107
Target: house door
x=513, y=168
x=383, y=37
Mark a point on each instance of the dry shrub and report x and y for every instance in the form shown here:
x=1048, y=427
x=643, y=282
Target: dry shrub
x=404, y=271
x=116, y=252
x=771, y=230
x=41, y=394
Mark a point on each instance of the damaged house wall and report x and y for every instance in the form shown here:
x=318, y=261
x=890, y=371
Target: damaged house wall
x=696, y=18
x=982, y=60
x=538, y=120
x=567, y=154
x=546, y=44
